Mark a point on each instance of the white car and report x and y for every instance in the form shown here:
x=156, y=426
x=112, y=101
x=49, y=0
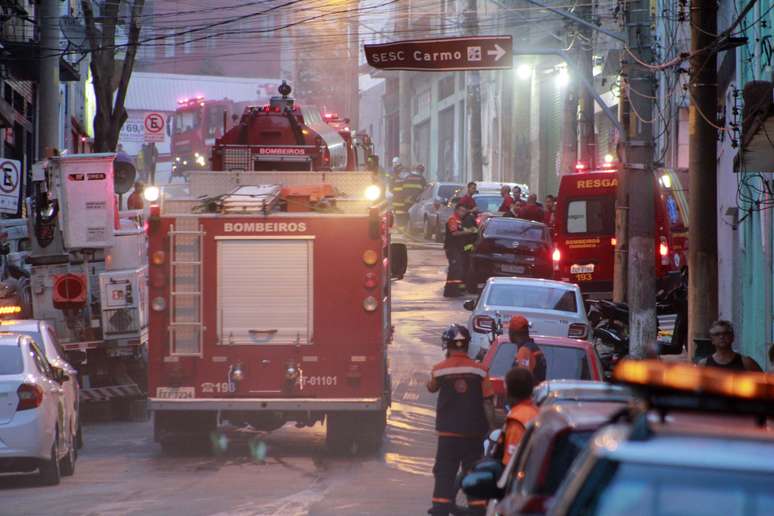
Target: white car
x=35, y=421
x=553, y=308
x=44, y=336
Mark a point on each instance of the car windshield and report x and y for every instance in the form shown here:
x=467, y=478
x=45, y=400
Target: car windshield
x=514, y=228
x=11, y=360
x=186, y=120
x=446, y=191
x=562, y=362
x=488, y=202
x=659, y=490
x=593, y=216
x=532, y=296
x=566, y=448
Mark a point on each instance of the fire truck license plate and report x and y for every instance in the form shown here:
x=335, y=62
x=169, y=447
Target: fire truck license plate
x=582, y=269
x=175, y=393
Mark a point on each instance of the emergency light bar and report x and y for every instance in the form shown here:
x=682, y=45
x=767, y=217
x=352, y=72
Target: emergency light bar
x=684, y=386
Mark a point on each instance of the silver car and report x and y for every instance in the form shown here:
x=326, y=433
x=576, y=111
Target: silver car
x=422, y=212
x=553, y=308
x=45, y=337
x=35, y=422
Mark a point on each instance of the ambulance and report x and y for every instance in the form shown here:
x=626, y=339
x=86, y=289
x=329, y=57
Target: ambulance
x=584, y=233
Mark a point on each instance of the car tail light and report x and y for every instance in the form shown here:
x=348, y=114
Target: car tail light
x=556, y=256
x=483, y=324
x=30, y=396
x=577, y=331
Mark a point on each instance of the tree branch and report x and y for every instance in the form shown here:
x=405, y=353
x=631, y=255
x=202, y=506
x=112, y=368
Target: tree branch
x=119, y=111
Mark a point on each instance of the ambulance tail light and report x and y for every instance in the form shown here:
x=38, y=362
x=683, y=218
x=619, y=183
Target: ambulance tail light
x=556, y=257
x=70, y=291
x=663, y=250
x=483, y=324
x=577, y=331
x=580, y=166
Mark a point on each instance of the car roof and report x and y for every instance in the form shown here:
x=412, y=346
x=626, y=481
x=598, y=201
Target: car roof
x=11, y=339
x=532, y=281
x=549, y=340
x=580, y=415
x=11, y=325
x=689, y=449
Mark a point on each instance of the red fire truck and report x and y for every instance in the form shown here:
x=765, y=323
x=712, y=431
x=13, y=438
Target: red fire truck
x=270, y=303
x=584, y=239
x=282, y=135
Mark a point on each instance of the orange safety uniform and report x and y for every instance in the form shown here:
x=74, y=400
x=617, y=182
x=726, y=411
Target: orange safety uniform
x=515, y=425
x=462, y=385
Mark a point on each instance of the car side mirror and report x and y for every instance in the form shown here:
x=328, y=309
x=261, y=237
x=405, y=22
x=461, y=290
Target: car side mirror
x=469, y=305
x=398, y=260
x=59, y=374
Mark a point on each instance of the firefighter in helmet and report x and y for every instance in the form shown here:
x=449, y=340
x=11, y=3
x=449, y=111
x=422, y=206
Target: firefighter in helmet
x=408, y=188
x=464, y=415
x=458, y=234
x=528, y=354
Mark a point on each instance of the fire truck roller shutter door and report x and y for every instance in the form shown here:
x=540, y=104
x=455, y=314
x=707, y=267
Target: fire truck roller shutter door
x=250, y=273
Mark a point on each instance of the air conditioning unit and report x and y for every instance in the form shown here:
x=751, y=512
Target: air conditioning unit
x=124, y=300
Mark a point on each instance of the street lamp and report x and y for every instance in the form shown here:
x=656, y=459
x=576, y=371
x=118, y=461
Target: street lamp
x=524, y=72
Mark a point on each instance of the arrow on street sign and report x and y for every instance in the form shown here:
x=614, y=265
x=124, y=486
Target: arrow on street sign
x=498, y=52
x=463, y=53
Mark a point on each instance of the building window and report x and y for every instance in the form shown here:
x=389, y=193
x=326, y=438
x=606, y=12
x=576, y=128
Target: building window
x=188, y=42
x=169, y=45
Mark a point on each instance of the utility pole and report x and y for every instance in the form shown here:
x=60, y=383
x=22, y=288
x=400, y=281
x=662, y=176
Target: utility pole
x=702, y=172
x=585, y=63
x=475, y=143
x=48, y=83
x=569, y=130
x=638, y=167
x=404, y=93
x=621, y=259
x=354, y=55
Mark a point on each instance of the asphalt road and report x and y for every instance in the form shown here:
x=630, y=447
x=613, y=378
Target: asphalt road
x=121, y=471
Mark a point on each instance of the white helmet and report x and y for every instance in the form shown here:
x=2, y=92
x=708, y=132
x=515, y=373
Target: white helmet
x=395, y=161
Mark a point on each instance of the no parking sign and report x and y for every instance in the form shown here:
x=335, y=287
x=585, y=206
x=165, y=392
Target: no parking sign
x=10, y=186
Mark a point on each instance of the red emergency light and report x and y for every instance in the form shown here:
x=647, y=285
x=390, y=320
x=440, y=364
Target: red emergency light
x=580, y=166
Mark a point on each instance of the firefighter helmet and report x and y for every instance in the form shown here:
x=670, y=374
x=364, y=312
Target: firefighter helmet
x=456, y=336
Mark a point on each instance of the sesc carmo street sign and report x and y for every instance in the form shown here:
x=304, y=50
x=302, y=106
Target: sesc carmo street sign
x=463, y=53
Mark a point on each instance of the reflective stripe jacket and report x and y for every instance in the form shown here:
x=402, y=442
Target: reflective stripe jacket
x=463, y=385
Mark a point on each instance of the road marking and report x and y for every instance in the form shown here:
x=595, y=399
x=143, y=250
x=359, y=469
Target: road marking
x=411, y=396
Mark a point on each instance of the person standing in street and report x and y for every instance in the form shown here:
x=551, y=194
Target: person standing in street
x=467, y=200
x=464, y=415
x=549, y=211
x=505, y=193
x=528, y=353
x=519, y=384
x=722, y=336
x=454, y=246
x=531, y=210
x=135, y=201
x=410, y=188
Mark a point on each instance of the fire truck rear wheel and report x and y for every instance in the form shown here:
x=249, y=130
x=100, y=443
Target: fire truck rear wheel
x=352, y=433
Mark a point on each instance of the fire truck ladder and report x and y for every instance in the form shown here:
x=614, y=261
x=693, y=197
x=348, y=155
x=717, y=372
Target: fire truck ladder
x=186, y=279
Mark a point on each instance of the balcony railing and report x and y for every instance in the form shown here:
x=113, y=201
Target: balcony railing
x=18, y=30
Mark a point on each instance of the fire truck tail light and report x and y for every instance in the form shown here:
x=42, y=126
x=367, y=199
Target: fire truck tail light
x=370, y=280
x=372, y=192
x=159, y=304
x=613, y=242
x=370, y=304
x=370, y=257
x=663, y=250
x=159, y=257
x=151, y=193
x=556, y=256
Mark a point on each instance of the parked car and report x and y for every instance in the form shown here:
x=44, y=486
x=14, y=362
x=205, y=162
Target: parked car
x=556, y=437
x=487, y=202
x=569, y=391
x=35, y=422
x=510, y=247
x=433, y=197
x=44, y=336
x=566, y=359
x=553, y=308
x=702, y=448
